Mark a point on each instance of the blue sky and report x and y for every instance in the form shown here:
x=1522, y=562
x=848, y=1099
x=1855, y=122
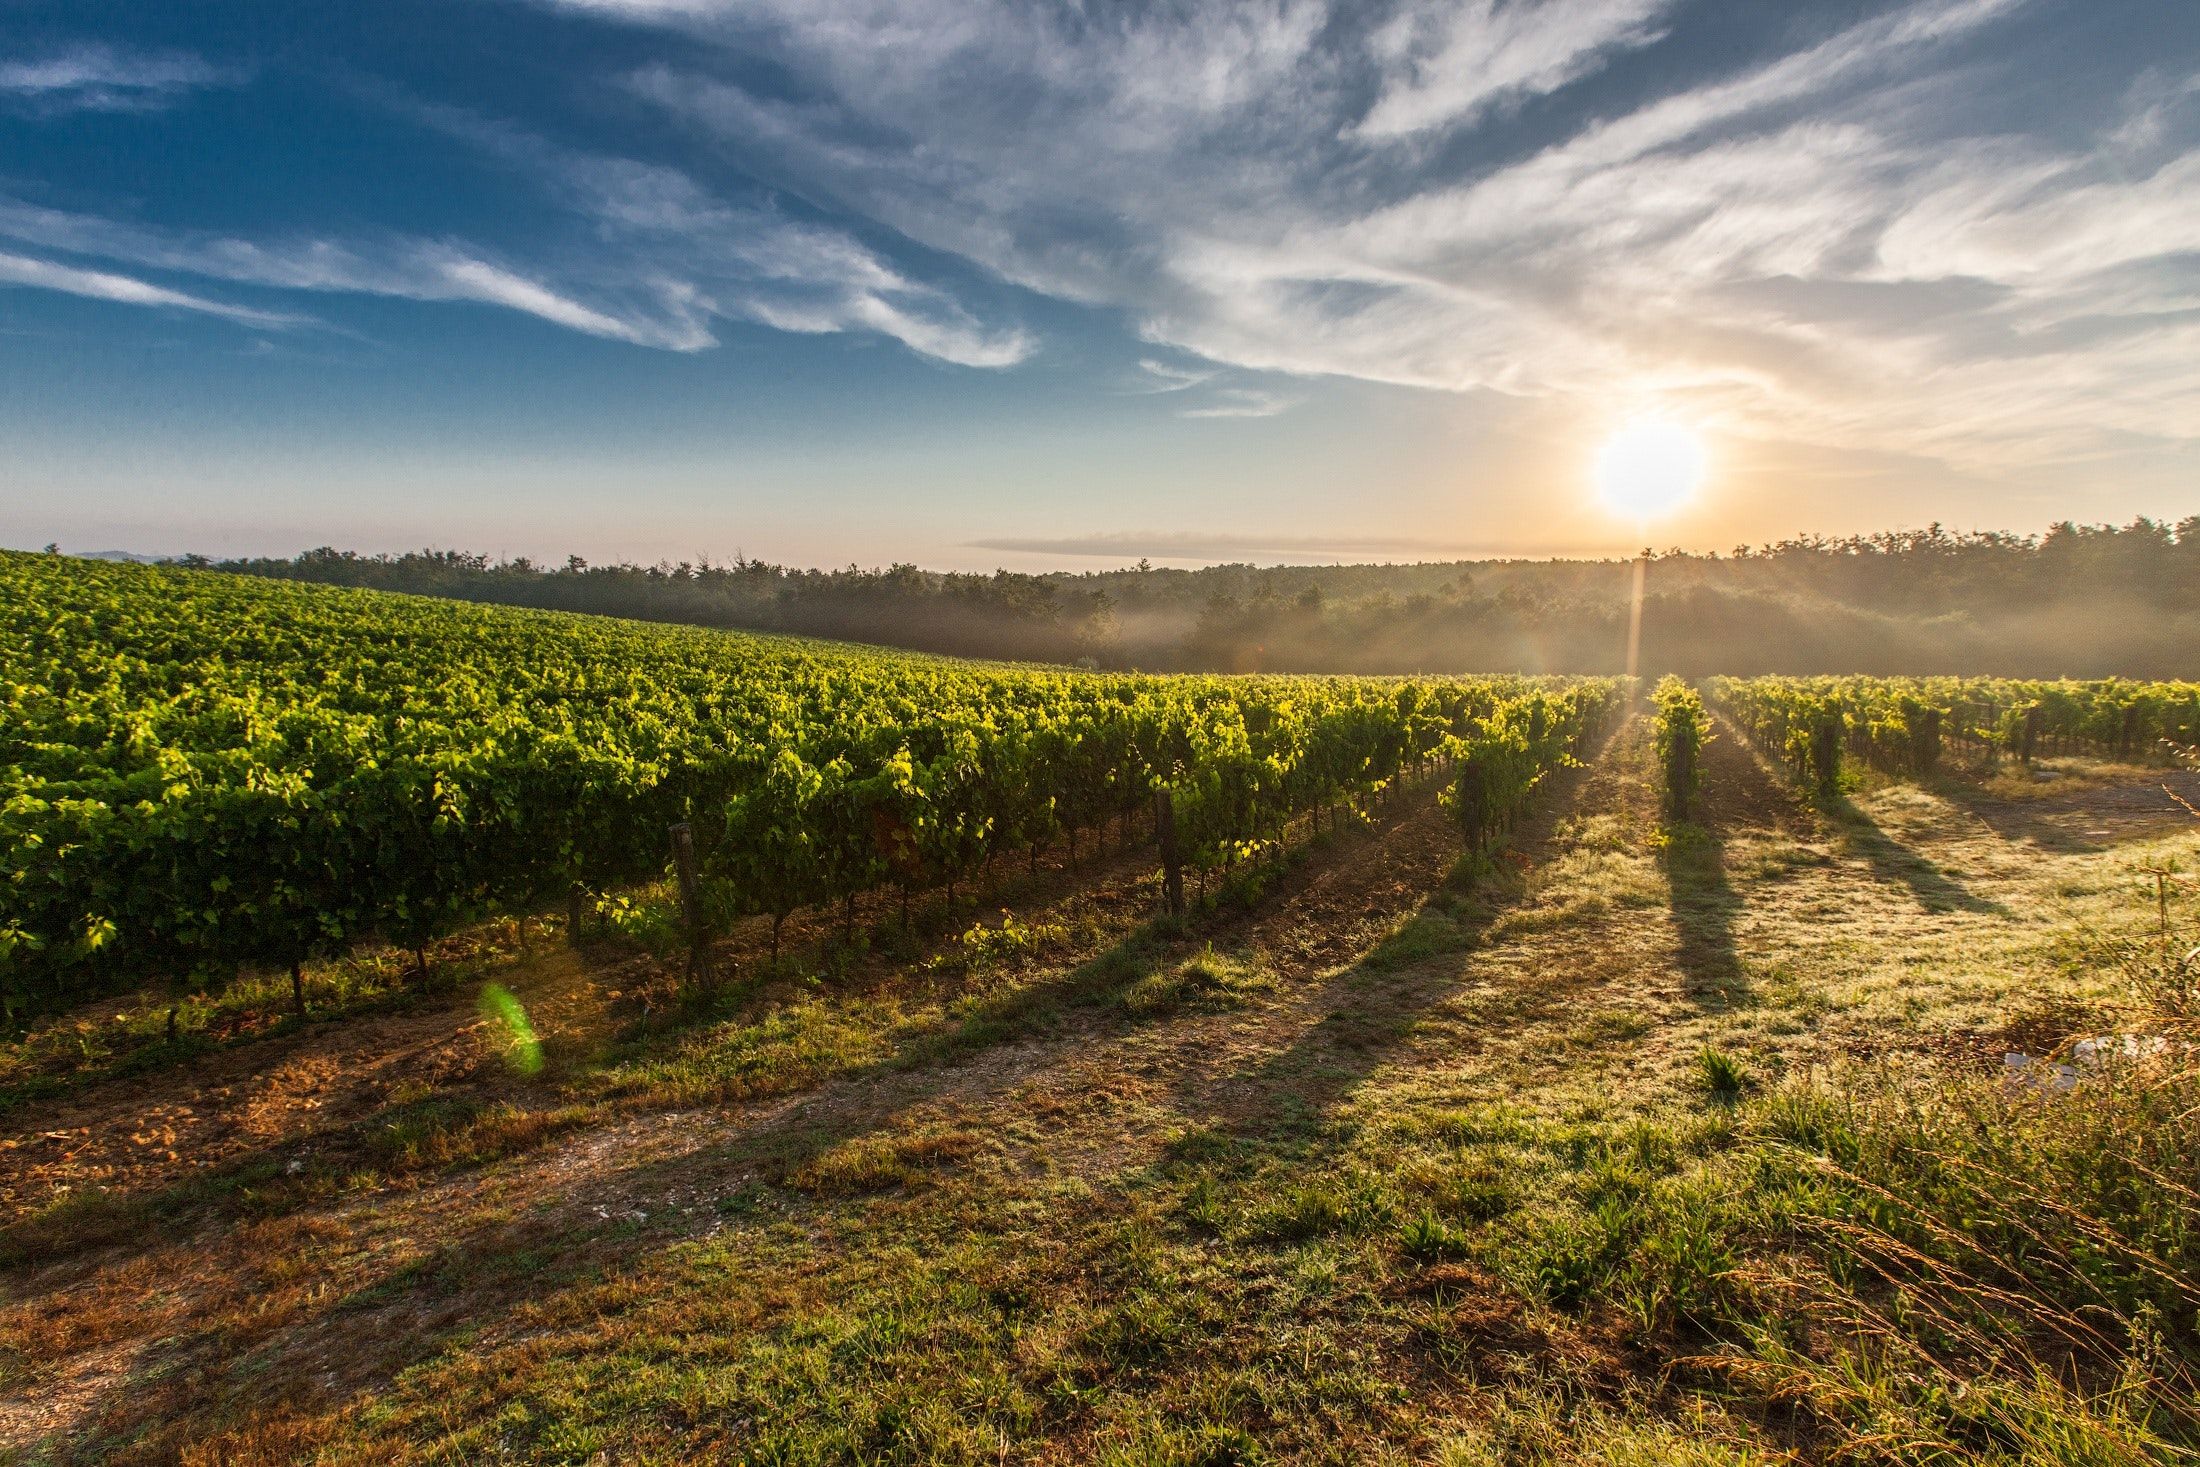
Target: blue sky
x=978, y=283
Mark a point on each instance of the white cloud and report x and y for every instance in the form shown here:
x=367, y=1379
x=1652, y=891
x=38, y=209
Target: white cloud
x=102, y=79
x=745, y=262
x=1168, y=377
x=659, y=261
x=408, y=269
x=106, y=286
x=1240, y=402
x=1813, y=244
x=477, y=280
x=1448, y=63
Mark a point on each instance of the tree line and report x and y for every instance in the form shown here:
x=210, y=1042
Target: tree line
x=2077, y=600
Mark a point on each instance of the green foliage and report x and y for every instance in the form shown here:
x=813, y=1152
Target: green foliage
x=1903, y=725
x=1969, y=1270
x=1722, y=1076
x=1913, y=600
x=1524, y=735
x=1683, y=728
x=982, y=947
x=1426, y=1237
x=1205, y=980
x=204, y=774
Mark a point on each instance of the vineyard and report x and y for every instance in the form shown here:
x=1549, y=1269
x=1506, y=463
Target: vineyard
x=1158, y=1069
x=208, y=774
x=1908, y=726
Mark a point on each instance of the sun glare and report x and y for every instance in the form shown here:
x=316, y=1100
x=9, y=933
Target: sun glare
x=1649, y=468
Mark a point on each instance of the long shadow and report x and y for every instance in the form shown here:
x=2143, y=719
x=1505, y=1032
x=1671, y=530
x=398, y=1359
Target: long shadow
x=1897, y=864
x=499, y=1264
x=1890, y=860
x=1287, y=1097
x=1704, y=905
x=2019, y=826
x=2084, y=821
x=1739, y=794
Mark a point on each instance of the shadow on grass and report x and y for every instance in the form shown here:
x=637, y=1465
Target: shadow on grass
x=1379, y=1003
x=1897, y=864
x=1704, y=905
x=609, y=1215
x=2086, y=820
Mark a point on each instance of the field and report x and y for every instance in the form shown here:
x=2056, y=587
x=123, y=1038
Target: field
x=1489, y=1099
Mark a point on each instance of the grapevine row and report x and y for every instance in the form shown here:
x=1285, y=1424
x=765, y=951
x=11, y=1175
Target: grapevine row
x=204, y=774
x=1905, y=726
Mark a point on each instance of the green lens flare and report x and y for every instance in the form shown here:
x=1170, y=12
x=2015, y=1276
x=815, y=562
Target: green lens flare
x=522, y=1050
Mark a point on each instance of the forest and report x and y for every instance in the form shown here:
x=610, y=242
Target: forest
x=2075, y=601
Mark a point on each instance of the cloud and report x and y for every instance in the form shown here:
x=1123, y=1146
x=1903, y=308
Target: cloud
x=746, y=261
x=102, y=285
x=477, y=280
x=1240, y=402
x=1446, y=64
x=409, y=269
x=1168, y=377
x=101, y=79
x=657, y=261
x=1363, y=191
x=1160, y=378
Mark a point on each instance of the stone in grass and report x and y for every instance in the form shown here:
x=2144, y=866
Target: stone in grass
x=2086, y=1056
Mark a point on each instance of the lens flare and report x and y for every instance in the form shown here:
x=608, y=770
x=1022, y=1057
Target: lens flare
x=1649, y=468
x=508, y=1019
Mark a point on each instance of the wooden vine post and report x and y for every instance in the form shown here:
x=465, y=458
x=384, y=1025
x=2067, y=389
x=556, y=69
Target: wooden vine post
x=1172, y=860
x=573, y=896
x=700, y=969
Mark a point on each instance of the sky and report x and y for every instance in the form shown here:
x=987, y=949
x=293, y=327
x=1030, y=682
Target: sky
x=979, y=283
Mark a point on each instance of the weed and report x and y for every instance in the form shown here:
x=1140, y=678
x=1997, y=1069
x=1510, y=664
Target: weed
x=1720, y=1075
x=1427, y=1237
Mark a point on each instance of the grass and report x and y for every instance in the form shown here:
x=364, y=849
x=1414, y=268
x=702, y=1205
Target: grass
x=1205, y=980
x=1660, y=1145
x=61, y=1054
x=1722, y=1076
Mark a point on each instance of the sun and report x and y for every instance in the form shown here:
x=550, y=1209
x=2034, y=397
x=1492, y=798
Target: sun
x=1649, y=468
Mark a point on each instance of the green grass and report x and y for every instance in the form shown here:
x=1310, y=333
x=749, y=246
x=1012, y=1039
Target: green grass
x=1205, y=980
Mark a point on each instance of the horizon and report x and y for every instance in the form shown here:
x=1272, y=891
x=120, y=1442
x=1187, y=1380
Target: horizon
x=1207, y=284
x=1155, y=554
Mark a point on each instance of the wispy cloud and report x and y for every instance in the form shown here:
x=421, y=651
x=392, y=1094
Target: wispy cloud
x=1210, y=394
x=653, y=260
x=1240, y=402
x=1169, y=377
x=746, y=261
x=94, y=78
x=1231, y=176
x=1446, y=64
x=106, y=286
x=408, y=269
